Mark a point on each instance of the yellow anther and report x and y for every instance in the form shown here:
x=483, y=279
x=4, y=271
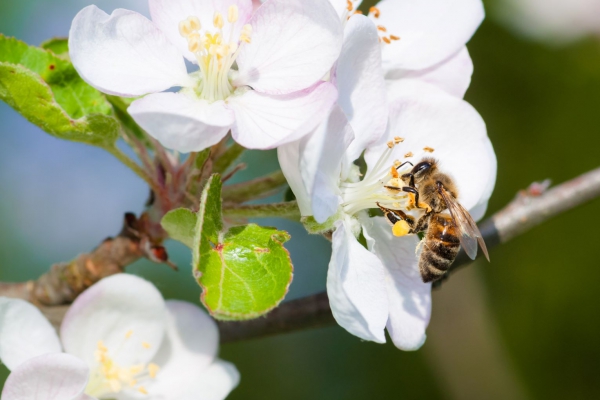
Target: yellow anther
x=128, y=334
x=401, y=228
x=390, y=144
x=142, y=390
x=408, y=155
x=349, y=5
x=375, y=11
x=246, y=35
x=218, y=20
x=429, y=149
x=398, y=139
x=232, y=14
x=153, y=370
x=195, y=43
x=381, y=28
x=394, y=37
x=132, y=383
x=115, y=385
x=136, y=369
x=189, y=25
x=146, y=345
x=386, y=40
x=394, y=172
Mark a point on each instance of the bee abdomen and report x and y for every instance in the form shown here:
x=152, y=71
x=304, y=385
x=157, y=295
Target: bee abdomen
x=437, y=256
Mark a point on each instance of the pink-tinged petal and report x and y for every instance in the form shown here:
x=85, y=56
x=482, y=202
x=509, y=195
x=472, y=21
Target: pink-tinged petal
x=294, y=44
x=125, y=313
x=409, y=297
x=24, y=333
x=56, y=376
x=452, y=75
x=321, y=156
x=356, y=287
x=289, y=161
x=167, y=14
x=430, y=31
x=124, y=54
x=265, y=121
x=359, y=79
x=428, y=117
x=180, y=122
x=188, y=368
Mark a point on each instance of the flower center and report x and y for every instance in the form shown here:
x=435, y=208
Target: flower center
x=109, y=378
x=374, y=14
x=381, y=185
x=215, y=52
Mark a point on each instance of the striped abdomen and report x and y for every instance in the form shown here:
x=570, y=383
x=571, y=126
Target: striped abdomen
x=440, y=248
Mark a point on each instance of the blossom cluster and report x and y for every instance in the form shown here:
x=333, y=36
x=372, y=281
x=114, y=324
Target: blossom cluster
x=330, y=87
x=325, y=84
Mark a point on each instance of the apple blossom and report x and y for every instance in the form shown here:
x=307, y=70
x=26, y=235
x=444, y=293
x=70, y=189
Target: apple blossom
x=121, y=340
x=371, y=289
x=423, y=40
x=259, y=75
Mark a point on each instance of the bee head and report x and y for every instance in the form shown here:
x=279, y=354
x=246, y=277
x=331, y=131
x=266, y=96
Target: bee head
x=421, y=170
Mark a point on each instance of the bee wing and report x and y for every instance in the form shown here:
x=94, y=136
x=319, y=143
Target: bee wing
x=469, y=232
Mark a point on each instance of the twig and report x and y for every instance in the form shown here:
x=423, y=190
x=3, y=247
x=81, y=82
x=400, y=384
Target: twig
x=287, y=209
x=523, y=213
x=258, y=188
x=526, y=211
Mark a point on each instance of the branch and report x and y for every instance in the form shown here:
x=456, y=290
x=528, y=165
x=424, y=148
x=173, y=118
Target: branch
x=529, y=209
x=287, y=209
x=255, y=189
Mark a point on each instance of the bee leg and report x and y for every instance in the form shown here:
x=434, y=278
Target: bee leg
x=422, y=224
x=402, y=224
x=418, y=204
x=412, y=179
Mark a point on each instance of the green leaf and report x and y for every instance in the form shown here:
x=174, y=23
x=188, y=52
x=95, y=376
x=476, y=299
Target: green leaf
x=47, y=90
x=27, y=93
x=201, y=158
x=180, y=224
x=58, y=46
x=244, y=272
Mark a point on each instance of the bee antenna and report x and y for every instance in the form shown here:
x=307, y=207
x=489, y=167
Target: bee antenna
x=403, y=164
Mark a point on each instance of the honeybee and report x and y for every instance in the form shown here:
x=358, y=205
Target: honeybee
x=434, y=192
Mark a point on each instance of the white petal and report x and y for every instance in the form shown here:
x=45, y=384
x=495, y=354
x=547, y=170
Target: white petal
x=409, y=297
x=167, y=14
x=24, y=333
x=356, y=287
x=426, y=116
x=359, y=79
x=321, y=155
x=192, y=340
x=265, y=121
x=289, y=161
x=126, y=313
x=124, y=54
x=180, y=122
x=430, y=31
x=56, y=376
x=214, y=382
x=294, y=44
x=452, y=75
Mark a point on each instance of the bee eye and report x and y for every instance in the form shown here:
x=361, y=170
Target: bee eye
x=420, y=167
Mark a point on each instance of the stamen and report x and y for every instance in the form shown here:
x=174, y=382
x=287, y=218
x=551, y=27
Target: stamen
x=408, y=155
x=232, y=14
x=398, y=139
x=146, y=345
x=349, y=5
x=429, y=149
x=153, y=370
x=189, y=25
x=375, y=11
x=394, y=37
x=218, y=20
x=386, y=40
x=381, y=28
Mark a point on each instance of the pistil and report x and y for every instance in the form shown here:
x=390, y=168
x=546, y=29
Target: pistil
x=215, y=52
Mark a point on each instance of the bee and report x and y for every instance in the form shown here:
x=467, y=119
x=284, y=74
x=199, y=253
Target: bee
x=435, y=192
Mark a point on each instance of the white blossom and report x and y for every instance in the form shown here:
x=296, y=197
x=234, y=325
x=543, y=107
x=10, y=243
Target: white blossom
x=119, y=340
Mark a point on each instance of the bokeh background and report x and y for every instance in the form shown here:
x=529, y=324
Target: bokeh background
x=525, y=326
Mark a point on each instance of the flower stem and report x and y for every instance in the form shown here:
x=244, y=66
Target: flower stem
x=287, y=210
x=258, y=188
x=228, y=157
x=135, y=167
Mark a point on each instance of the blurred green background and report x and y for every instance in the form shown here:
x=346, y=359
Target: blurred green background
x=523, y=327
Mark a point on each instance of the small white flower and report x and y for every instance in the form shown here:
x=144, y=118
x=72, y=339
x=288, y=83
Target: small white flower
x=121, y=340
x=423, y=40
x=259, y=75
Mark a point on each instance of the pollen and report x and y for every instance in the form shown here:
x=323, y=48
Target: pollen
x=408, y=155
x=386, y=40
x=429, y=149
x=390, y=144
x=146, y=345
x=401, y=228
x=394, y=37
x=381, y=28
x=398, y=139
